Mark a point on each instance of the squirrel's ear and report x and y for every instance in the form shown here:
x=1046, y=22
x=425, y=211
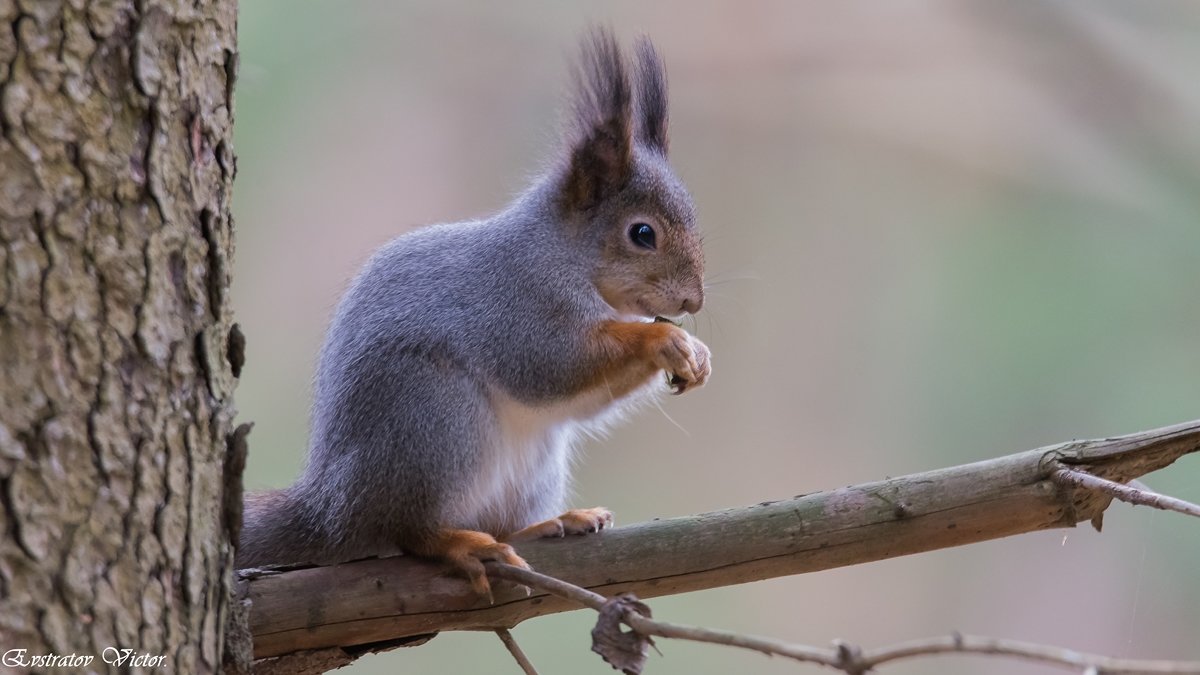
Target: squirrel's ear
x=652, y=96
x=601, y=158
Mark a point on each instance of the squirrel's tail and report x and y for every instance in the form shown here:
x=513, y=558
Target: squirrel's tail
x=273, y=531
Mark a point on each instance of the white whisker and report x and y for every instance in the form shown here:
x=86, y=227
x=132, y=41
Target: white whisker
x=658, y=404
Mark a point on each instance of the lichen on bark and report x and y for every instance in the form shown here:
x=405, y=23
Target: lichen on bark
x=116, y=167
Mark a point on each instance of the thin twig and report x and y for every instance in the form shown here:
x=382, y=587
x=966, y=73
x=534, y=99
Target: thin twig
x=1126, y=493
x=973, y=644
x=845, y=657
x=654, y=627
x=763, y=645
x=515, y=649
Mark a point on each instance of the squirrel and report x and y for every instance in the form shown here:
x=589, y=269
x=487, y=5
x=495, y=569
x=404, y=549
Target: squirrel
x=466, y=360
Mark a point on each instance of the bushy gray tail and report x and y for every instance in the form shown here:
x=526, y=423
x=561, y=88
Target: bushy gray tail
x=274, y=531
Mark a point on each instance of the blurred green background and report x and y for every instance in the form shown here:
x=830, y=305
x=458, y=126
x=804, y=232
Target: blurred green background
x=937, y=232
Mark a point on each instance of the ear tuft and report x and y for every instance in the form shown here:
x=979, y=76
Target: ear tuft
x=652, y=96
x=601, y=158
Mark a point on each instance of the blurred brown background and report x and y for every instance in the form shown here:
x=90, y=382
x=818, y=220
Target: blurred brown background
x=937, y=232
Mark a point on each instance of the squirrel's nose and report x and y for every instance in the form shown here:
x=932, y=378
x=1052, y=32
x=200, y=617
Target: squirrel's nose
x=692, y=304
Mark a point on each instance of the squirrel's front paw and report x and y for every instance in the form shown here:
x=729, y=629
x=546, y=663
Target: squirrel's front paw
x=685, y=360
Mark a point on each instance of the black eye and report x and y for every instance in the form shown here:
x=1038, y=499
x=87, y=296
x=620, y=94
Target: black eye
x=642, y=235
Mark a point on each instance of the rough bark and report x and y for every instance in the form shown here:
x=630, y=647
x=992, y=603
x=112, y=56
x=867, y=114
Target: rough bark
x=347, y=609
x=117, y=345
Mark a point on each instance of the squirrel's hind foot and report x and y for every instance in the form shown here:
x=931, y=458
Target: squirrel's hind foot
x=466, y=551
x=583, y=521
x=575, y=521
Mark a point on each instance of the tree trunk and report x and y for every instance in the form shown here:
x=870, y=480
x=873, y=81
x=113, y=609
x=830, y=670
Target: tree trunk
x=117, y=348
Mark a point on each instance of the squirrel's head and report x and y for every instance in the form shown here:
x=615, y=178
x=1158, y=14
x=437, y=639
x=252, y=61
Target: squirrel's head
x=616, y=191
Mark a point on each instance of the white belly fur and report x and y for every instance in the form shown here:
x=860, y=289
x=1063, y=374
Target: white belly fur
x=527, y=465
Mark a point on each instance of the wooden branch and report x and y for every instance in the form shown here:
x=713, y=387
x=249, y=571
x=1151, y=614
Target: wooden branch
x=356, y=605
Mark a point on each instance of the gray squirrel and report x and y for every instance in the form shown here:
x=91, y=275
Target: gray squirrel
x=466, y=360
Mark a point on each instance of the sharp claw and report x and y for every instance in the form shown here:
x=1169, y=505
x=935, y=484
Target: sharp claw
x=483, y=589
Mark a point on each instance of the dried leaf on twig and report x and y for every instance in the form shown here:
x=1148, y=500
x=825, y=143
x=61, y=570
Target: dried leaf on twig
x=624, y=650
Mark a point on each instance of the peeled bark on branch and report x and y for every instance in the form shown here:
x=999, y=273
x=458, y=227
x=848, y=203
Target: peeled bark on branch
x=375, y=602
